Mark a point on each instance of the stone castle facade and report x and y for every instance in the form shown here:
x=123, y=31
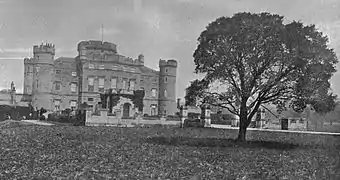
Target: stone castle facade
x=57, y=84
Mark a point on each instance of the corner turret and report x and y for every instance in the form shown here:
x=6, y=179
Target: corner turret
x=141, y=59
x=44, y=53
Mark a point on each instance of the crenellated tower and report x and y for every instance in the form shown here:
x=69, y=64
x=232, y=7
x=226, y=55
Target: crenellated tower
x=167, y=87
x=28, y=75
x=42, y=75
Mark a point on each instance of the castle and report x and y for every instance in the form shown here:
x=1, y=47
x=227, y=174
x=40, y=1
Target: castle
x=57, y=84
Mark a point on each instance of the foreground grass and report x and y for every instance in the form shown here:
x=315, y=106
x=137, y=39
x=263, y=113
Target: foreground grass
x=56, y=152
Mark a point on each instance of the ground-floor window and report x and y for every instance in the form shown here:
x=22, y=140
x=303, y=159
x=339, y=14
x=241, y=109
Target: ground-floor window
x=73, y=104
x=153, y=109
x=57, y=105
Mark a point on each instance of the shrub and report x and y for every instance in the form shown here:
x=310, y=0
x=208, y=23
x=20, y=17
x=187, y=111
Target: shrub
x=194, y=123
x=173, y=118
x=151, y=117
x=192, y=115
x=79, y=119
x=62, y=118
x=42, y=117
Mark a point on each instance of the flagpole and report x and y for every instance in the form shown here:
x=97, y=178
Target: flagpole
x=102, y=33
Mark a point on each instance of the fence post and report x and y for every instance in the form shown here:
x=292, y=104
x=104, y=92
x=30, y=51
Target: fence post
x=207, y=119
x=184, y=115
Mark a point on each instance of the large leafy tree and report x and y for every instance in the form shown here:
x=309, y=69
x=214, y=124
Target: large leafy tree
x=248, y=60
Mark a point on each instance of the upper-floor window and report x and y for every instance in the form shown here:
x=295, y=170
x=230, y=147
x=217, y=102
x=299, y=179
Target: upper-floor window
x=73, y=87
x=91, y=66
x=101, y=84
x=125, y=84
x=74, y=74
x=58, y=71
x=57, y=86
x=101, y=66
x=89, y=99
x=165, y=79
x=114, y=83
x=37, y=68
x=91, y=84
x=166, y=69
x=153, y=92
x=132, y=85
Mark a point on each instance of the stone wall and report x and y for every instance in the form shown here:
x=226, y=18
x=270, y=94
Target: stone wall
x=104, y=120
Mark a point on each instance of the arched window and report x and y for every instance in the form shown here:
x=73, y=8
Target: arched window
x=165, y=93
x=153, y=92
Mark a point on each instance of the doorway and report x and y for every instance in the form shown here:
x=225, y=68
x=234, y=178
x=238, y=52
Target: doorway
x=284, y=124
x=126, y=110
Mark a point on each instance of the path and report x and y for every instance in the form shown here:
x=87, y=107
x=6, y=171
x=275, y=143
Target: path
x=274, y=130
x=38, y=122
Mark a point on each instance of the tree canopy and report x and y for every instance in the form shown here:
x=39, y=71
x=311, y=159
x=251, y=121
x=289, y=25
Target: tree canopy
x=252, y=59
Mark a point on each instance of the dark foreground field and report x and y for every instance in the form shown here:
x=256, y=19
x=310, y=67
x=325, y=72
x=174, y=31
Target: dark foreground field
x=57, y=152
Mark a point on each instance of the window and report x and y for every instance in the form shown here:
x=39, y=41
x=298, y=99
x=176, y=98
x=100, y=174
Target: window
x=101, y=66
x=114, y=67
x=124, y=85
x=74, y=74
x=301, y=121
x=132, y=85
x=153, y=109
x=90, y=106
x=57, y=86
x=73, y=87
x=132, y=70
x=37, y=83
x=91, y=84
x=153, y=92
x=101, y=84
x=114, y=83
x=165, y=93
x=58, y=71
x=89, y=99
x=73, y=104
x=91, y=66
x=57, y=105
x=165, y=79
x=166, y=69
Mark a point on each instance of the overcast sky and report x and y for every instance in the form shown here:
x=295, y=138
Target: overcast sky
x=166, y=29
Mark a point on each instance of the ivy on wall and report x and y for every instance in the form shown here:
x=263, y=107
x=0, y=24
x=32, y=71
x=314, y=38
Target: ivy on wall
x=137, y=99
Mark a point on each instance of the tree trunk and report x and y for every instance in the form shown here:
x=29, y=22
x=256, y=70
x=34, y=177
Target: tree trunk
x=243, y=123
x=242, y=132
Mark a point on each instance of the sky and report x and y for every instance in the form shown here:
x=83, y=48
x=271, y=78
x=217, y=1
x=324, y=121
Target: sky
x=159, y=29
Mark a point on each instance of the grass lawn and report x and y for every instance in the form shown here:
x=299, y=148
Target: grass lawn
x=57, y=152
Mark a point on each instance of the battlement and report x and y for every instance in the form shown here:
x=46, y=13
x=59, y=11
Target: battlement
x=97, y=45
x=172, y=63
x=44, y=48
x=28, y=60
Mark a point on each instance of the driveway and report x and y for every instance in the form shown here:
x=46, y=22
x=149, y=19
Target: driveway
x=38, y=122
